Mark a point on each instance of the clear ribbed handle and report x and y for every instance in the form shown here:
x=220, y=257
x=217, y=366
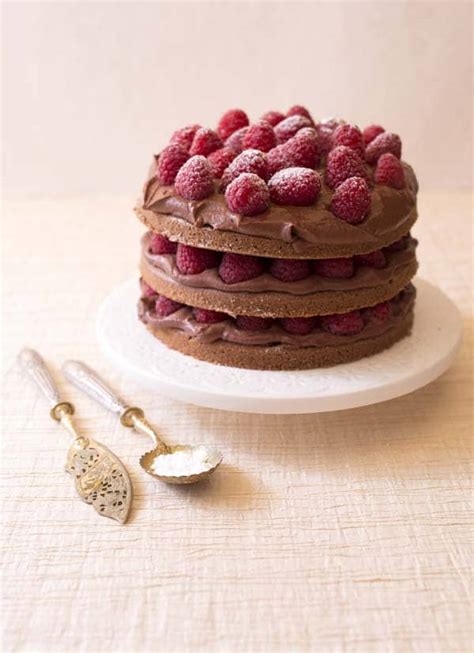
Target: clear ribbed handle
x=36, y=368
x=84, y=378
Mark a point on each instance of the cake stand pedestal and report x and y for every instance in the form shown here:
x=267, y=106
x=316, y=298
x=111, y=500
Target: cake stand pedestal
x=410, y=364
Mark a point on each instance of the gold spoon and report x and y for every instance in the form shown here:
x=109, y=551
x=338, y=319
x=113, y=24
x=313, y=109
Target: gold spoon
x=177, y=464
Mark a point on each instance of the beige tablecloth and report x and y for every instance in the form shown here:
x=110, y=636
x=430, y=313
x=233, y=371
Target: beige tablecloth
x=332, y=532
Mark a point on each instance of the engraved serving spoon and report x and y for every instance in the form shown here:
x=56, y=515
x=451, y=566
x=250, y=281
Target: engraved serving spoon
x=178, y=464
x=100, y=478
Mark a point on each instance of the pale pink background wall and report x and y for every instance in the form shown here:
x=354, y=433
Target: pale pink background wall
x=91, y=89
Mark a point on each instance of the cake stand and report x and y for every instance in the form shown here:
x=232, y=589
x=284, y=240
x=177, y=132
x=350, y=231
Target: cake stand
x=409, y=364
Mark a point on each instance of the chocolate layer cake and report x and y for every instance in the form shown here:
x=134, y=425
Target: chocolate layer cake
x=281, y=244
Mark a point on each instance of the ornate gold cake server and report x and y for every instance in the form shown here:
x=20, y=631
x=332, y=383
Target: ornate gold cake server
x=99, y=476
x=177, y=464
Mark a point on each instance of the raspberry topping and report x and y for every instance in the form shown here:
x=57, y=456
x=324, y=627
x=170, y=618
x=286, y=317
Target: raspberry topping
x=389, y=171
x=205, y=141
x=146, y=290
x=379, y=313
x=350, y=136
x=351, y=200
x=372, y=259
x=184, y=136
x=253, y=323
x=238, y=267
x=205, y=316
x=248, y=161
x=289, y=269
x=300, y=326
x=298, y=110
x=273, y=117
x=259, y=136
x=169, y=162
x=342, y=163
x=299, y=151
x=343, y=324
x=220, y=159
x=193, y=260
x=296, y=186
x=371, y=132
x=165, y=306
x=235, y=140
x=160, y=244
x=290, y=126
x=278, y=159
x=248, y=194
x=334, y=268
x=399, y=245
x=382, y=144
x=194, y=180
x=325, y=135
x=230, y=122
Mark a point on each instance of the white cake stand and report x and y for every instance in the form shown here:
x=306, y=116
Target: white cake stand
x=408, y=365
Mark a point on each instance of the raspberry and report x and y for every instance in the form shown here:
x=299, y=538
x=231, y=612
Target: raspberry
x=334, y=268
x=299, y=151
x=235, y=140
x=247, y=195
x=298, y=110
x=389, y=171
x=342, y=163
x=343, y=324
x=290, y=269
x=290, y=126
x=194, y=180
x=351, y=200
x=184, y=136
x=146, y=290
x=299, y=326
x=382, y=144
x=325, y=135
x=399, y=245
x=193, y=260
x=239, y=267
x=248, y=161
x=219, y=160
x=169, y=162
x=205, y=141
x=253, y=323
x=273, y=117
x=278, y=159
x=230, y=122
x=259, y=136
x=379, y=313
x=371, y=132
x=160, y=244
x=349, y=136
x=372, y=259
x=205, y=316
x=165, y=306
x=296, y=186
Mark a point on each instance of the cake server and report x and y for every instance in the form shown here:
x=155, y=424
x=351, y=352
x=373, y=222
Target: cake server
x=177, y=464
x=100, y=478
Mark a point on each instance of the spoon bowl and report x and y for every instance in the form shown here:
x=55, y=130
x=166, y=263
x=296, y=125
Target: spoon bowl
x=181, y=464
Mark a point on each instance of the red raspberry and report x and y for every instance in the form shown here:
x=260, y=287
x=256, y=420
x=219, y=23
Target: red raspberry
x=298, y=110
x=299, y=326
x=169, y=162
x=342, y=163
x=389, y=172
x=230, y=122
x=247, y=195
x=146, y=290
x=299, y=151
x=193, y=260
x=290, y=126
x=372, y=259
x=184, y=136
x=379, y=313
x=273, y=117
x=350, y=136
x=343, y=324
x=205, y=141
x=235, y=268
x=399, y=245
x=253, y=323
x=278, y=159
x=235, y=140
x=194, y=180
x=160, y=244
x=325, y=135
x=165, y=306
x=351, y=200
x=382, y=144
x=371, y=132
x=330, y=123
x=334, y=268
x=220, y=159
x=248, y=161
x=205, y=316
x=259, y=136
x=295, y=186
x=290, y=269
